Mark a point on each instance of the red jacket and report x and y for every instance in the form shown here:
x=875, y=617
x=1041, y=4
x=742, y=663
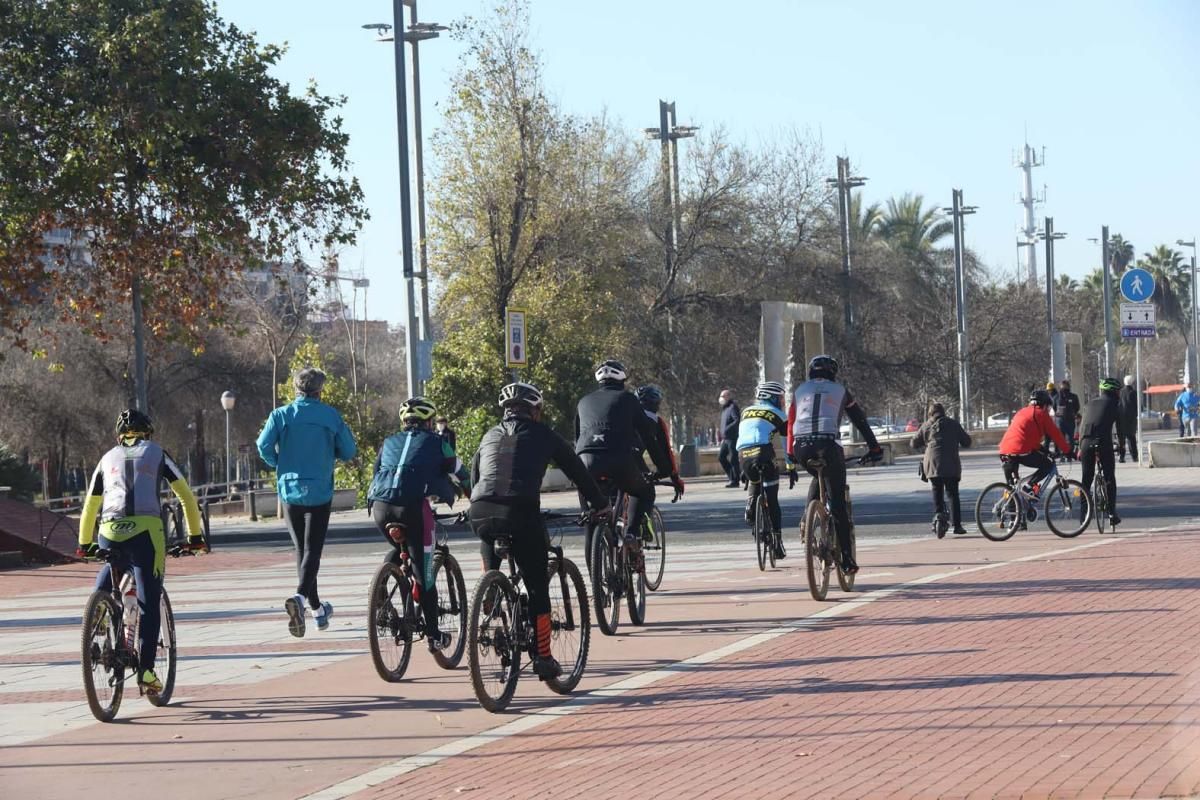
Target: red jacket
x=1026, y=431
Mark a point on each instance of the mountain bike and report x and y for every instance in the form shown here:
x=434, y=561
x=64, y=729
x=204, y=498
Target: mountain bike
x=501, y=627
x=176, y=531
x=1007, y=506
x=1101, y=506
x=394, y=616
x=817, y=531
x=109, y=641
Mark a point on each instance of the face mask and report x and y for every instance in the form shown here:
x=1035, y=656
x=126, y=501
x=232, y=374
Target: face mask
x=441, y=426
x=722, y=401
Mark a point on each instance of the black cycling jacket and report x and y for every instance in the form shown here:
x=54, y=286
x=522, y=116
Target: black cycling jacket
x=512, y=459
x=1100, y=417
x=611, y=420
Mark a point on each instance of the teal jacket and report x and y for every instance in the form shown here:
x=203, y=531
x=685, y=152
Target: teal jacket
x=1188, y=404
x=300, y=442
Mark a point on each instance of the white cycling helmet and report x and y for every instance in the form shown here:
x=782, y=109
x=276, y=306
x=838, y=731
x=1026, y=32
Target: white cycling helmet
x=610, y=370
x=770, y=390
x=515, y=393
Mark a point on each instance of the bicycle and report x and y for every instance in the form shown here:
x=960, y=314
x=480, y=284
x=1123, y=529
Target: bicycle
x=394, y=616
x=766, y=542
x=1004, y=507
x=501, y=627
x=1101, y=508
x=175, y=530
x=109, y=642
x=821, y=552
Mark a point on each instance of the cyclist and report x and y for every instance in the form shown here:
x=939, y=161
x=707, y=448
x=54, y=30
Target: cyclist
x=1021, y=444
x=609, y=425
x=814, y=422
x=506, y=474
x=650, y=396
x=1100, y=417
x=756, y=452
x=413, y=465
x=124, y=495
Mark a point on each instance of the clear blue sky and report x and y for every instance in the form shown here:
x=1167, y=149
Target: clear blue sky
x=923, y=97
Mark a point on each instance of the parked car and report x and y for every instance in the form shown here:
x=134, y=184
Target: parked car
x=912, y=426
x=1000, y=420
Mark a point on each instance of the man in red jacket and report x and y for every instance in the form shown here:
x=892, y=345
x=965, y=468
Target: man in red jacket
x=1022, y=441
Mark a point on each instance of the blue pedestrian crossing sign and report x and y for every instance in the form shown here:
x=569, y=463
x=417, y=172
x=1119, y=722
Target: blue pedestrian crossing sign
x=1137, y=285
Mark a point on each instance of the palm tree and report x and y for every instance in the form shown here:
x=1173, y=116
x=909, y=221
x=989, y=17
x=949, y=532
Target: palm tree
x=864, y=222
x=1067, y=284
x=1172, y=284
x=1120, y=253
x=907, y=225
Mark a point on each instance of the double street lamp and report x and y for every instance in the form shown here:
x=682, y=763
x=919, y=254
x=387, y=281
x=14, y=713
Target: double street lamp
x=844, y=183
x=1194, y=361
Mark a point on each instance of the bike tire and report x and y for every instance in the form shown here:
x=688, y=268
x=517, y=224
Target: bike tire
x=1100, y=505
x=997, y=512
x=635, y=593
x=813, y=535
x=452, y=610
x=493, y=631
x=1063, y=506
x=655, y=550
x=846, y=582
x=167, y=655
x=606, y=596
x=103, y=685
x=389, y=631
x=761, y=537
x=205, y=531
x=569, y=638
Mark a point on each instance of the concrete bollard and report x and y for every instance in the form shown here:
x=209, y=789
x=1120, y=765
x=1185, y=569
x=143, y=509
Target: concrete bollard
x=689, y=461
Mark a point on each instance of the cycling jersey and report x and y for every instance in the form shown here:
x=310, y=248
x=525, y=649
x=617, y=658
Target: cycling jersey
x=611, y=420
x=1100, y=417
x=1025, y=432
x=817, y=409
x=512, y=458
x=760, y=422
x=412, y=465
x=664, y=438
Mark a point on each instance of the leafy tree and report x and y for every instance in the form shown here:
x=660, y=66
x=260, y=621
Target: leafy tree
x=154, y=132
x=1172, y=284
x=911, y=227
x=21, y=479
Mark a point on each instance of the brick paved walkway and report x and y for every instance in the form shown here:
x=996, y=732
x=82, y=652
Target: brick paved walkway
x=1074, y=676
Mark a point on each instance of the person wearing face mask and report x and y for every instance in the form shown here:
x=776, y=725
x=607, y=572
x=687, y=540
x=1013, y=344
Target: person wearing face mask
x=446, y=432
x=727, y=435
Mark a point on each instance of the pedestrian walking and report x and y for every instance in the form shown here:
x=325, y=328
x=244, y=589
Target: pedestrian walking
x=727, y=435
x=942, y=436
x=300, y=442
x=1066, y=411
x=1127, y=413
x=447, y=433
x=1188, y=406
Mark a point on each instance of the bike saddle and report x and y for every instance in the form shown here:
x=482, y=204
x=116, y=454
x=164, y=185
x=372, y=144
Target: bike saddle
x=501, y=546
x=396, y=532
x=815, y=463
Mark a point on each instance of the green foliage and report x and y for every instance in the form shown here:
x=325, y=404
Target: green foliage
x=368, y=427
x=22, y=479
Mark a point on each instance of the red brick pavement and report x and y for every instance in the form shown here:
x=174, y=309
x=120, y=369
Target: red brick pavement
x=1070, y=677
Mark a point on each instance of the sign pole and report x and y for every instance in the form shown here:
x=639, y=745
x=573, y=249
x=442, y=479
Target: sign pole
x=1137, y=368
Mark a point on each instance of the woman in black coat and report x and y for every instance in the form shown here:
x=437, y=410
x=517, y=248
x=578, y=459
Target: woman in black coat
x=941, y=436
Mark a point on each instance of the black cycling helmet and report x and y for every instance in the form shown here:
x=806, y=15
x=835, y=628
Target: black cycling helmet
x=1109, y=385
x=611, y=370
x=650, y=397
x=1039, y=397
x=132, y=422
x=823, y=367
x=515, y=394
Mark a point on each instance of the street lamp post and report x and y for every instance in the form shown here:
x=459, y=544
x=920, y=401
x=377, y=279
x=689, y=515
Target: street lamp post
x=227, y=401
x=844, y=183
x=958, y=212
x=1195, y=359
x=1056, y=368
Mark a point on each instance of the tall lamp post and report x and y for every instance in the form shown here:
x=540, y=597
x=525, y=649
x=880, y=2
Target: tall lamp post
x=958, y=212
x=1057, y=368
x=844, y=183
x=227, y=401
x=1195, y=359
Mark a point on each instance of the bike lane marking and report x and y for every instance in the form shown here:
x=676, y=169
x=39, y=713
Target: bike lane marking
x=536, y=719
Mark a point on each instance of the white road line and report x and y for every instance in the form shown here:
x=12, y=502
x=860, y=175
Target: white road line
x=644, y=679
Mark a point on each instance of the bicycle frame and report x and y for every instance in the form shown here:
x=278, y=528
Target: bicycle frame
x=525, y=636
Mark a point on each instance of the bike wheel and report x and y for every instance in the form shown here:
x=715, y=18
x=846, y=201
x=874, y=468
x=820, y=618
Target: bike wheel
x=165, y=660
x=764, y=512
x=998, y=512
x=100, y=646
x=494, y=654
x=1100, y=505
x=388, y=622
x=635, y=591
x=846, y=582
x=1068, y=508
x=204, y=532
x=570, y=628
x=762, y=536
x=606, y=581
x=816, y=544
x=452, y=610
x=654, y=547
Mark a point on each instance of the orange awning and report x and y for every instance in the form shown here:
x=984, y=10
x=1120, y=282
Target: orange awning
x=1173, y=388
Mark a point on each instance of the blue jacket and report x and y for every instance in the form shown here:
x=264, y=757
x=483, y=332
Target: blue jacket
x=300, y=442
x=415, y=464
x=760, y=422
x=1188, y=404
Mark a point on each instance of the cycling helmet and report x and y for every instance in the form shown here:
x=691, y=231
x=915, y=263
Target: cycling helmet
x=132, y=422
x=770, y=391
x=650, y=397
x=416, y=409
x=610, y=370
x=823, y=364
x=518, y=393
x=1109, y=385
x=1039, y=397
